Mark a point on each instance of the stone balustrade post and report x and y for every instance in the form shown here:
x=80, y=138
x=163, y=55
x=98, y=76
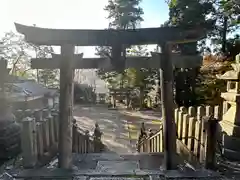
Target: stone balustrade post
x=29, y=142
x=28, y=113
x=37, y=115
x=87, y=143
x=55, y=115
x=50, y=121
x=97, y=138
x=211, y=125
x=75, y=137
x=46, y=140
x=40, y=145
x=19, y=115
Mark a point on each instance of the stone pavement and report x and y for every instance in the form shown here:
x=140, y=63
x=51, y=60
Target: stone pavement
x=120, y=127
x=113, y=166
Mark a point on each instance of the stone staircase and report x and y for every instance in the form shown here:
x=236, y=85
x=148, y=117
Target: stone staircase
x=112, y=166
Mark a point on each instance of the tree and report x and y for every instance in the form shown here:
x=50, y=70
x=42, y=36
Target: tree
x=222, y=19
x=48, y=77
x=84, y=93
x=226, y=15
x=123, y=14
x=16, y=51
x=188, y=13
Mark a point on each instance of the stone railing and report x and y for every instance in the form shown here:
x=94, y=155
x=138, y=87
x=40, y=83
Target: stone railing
x=83, y=142
x=196, y=131
x=151, y=143
x=39, y=137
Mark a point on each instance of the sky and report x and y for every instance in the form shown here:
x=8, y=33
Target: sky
x=72, y=14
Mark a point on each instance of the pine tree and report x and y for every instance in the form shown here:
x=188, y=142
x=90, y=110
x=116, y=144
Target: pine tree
x=188, y=13
x=123, y=14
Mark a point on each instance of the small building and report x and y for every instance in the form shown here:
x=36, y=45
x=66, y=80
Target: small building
x=28, y=94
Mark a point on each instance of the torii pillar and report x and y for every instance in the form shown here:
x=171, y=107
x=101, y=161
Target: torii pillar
x=66, y=106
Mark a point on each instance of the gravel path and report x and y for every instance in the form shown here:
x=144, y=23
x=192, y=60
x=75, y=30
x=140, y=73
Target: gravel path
x=120, y=127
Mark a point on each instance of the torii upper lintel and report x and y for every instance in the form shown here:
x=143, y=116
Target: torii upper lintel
x=108, y=37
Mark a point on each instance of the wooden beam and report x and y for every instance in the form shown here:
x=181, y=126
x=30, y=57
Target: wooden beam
x=178, y=61
x=78, y=62
x=66, y=107
x=109, y=37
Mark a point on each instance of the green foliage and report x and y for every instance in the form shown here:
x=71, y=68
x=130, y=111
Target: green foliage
x=190, y=12
x=220, y=17
x=16, y=51
x=19, y=53
x=48, y=77
x=124, y=14
x=226, y=16
x=140, y=78
x=84, y=93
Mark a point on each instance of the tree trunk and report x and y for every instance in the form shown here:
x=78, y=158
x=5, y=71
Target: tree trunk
x=141, y=98
x=224, y=33
x=37, y=75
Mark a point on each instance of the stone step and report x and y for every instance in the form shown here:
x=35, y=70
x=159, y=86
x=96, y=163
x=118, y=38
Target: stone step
x=148, y=175
x=96, y=166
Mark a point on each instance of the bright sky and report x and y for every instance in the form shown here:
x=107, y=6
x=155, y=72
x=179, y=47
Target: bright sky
x=75, y=14
x=72, y=14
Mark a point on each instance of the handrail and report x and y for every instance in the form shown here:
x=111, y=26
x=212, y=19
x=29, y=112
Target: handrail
x=149, y=141
x=193, y=133
x=83, y=142
x=152, y=136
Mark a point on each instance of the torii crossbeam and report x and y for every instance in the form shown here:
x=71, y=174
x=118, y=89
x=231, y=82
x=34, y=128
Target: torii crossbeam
x=117, y=39
x=154, y=62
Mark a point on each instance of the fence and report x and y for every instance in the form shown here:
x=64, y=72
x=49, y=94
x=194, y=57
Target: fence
x=196, y=131
x=40, y=135
x=83, y=142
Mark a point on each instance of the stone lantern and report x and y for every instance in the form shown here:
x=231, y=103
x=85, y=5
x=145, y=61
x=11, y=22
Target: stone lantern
x=230, y=122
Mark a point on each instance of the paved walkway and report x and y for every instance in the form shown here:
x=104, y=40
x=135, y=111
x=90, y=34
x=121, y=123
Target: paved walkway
x=120, y=127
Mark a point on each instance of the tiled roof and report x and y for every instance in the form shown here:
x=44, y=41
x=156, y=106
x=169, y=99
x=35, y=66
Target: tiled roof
x=21, y=88
x=31, y=88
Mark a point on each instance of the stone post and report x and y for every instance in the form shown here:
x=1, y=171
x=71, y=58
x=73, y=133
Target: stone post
x=55, y=115
x=40, y=147
x=29, y=143
x=211, y=142
x=51, y=130
x=75, y=139
x=45, y=126
x=19, y=115
x=37, y=115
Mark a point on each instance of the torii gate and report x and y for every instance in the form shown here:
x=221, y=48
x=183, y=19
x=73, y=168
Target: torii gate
x=67, y=39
